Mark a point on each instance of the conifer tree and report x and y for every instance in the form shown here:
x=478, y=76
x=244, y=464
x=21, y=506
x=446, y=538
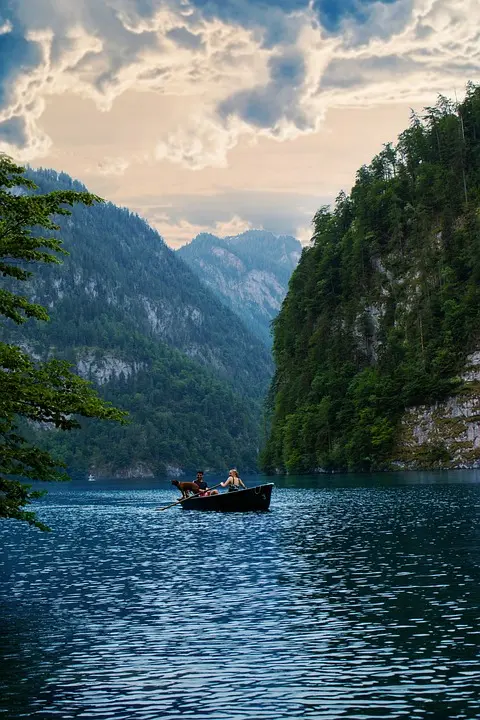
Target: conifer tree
x=46, y=393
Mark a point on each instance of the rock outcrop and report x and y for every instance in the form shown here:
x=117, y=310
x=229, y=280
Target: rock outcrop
x=446, y=434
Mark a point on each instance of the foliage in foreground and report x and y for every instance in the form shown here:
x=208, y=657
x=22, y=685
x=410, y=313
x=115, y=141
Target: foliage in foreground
x=385, y=304
x=38, y=392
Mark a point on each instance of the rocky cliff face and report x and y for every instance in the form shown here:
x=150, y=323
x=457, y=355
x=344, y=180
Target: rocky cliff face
x=446, y=434
x=100, y=368
x=249, y=272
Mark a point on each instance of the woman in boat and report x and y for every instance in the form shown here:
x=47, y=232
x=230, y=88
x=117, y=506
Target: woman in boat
x=233, y=482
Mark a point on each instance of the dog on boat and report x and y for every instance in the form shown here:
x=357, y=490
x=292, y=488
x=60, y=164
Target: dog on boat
x=186, y=488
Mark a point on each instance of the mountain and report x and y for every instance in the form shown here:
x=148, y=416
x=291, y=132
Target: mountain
x=377, y=343
x=249, y=272
x=133, y=318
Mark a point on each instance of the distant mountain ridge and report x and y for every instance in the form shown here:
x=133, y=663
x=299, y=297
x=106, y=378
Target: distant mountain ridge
x=249, y=272
x=135, y=320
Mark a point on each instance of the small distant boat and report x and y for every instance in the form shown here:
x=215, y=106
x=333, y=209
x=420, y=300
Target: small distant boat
x=255, y=498
x=91, y=478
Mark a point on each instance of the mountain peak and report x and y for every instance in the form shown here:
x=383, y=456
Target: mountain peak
x=249, y=272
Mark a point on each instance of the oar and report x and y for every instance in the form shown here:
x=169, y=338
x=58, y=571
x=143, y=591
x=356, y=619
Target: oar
x=182, y=499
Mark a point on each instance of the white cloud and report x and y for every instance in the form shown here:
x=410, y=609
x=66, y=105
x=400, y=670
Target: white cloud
x=113, y=166
x=304, y=234
x=234, y=226
x=406, y=51
x=6, y=27
x=177, y=233
x=202, y=142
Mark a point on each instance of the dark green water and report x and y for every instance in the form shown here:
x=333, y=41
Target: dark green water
x=355, y=597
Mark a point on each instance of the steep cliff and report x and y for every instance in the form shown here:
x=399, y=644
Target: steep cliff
x=447, y=433
x=249, y=272
x=382, y=318
x=135, y=320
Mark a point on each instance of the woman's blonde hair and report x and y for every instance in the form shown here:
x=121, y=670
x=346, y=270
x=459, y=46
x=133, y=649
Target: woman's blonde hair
x=234, y=472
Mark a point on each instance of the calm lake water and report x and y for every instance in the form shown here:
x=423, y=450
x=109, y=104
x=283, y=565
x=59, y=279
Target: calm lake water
x=354, y=597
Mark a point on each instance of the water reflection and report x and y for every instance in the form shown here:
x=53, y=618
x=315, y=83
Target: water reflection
x=382, y=480
x=352, y=601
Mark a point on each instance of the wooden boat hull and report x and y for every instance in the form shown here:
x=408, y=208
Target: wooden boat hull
x=252, y=499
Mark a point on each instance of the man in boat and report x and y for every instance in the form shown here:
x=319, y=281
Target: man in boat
x=202, y=485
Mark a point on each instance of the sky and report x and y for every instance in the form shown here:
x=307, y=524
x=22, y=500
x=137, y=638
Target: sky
x=223, y=115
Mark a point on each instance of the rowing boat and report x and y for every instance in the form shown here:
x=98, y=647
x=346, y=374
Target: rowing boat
x=254, y=498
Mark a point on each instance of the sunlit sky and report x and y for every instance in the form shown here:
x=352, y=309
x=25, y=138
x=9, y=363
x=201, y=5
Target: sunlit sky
x=221, y=115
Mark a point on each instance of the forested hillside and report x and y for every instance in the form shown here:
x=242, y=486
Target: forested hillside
x=385, y=306
x=133, y=318
x=249, y=272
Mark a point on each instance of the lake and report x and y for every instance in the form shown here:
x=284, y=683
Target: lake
x=354, y=597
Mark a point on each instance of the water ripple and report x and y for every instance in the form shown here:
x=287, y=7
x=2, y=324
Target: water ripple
x=348, y=602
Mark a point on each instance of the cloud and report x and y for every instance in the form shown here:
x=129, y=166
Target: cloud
x=185, y=216
x=234, y=226
x=13, y=131
x=202, y=142
x=270, y=69
x=186, y=39
x=5, y=27
x=345, y=73
x=112, y=166
x=181, y=232
x=266, y=105
x=329, y=13
x=304, y=234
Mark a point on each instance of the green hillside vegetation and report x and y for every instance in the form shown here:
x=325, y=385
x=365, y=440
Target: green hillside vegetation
x=180, y=415
x=135, y=320
x=385, y=304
